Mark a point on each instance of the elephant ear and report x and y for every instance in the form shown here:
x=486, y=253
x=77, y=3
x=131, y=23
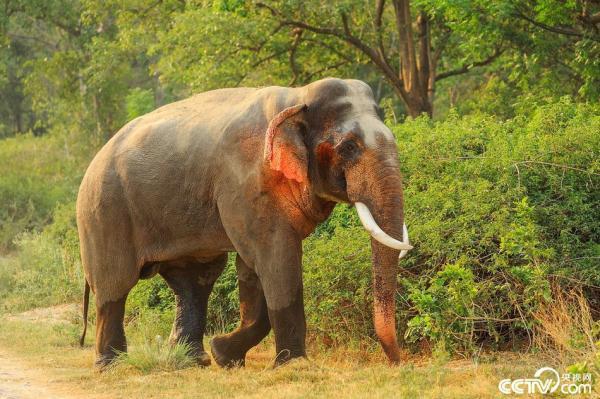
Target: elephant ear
x=285, y=151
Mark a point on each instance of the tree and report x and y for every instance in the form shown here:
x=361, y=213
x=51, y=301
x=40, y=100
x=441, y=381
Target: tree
x=563, y=36
x=411, y=44
x=309, y=39
x=409, y=61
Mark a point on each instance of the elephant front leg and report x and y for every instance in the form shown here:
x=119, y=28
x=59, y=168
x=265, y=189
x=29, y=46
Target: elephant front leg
x=281, y=278
x=192, y=284
x=230, y=350
x=286, y=312
x=273, y=249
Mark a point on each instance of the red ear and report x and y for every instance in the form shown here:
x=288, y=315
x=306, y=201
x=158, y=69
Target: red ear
x=284, y=148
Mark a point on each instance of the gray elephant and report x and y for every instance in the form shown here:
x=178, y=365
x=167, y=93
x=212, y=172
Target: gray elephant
x=250, y=170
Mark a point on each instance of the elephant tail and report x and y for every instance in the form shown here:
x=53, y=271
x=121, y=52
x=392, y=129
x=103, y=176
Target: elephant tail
x=86, y=303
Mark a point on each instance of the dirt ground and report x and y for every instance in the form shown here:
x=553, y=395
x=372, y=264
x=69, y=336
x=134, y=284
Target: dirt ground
x=20, y=380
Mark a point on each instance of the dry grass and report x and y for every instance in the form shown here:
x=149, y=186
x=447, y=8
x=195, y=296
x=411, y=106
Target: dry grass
x=52, y=351
x=566, y=329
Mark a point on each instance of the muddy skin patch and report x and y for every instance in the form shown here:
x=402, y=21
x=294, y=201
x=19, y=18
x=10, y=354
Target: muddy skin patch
x=289, y=325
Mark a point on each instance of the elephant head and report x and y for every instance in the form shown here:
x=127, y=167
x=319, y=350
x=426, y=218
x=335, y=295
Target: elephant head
x=332, y=140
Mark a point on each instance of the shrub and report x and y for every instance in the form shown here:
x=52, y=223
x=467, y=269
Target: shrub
x=337, y=283
x=36, y=174
x=139, y=102
x=515, y=202
x=47, y=269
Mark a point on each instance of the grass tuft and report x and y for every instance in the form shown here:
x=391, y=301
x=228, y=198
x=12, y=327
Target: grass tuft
x=155, y=355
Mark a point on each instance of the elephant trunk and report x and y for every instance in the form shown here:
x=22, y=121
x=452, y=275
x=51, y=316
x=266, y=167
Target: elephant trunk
x=386, y=203
x=384, y=306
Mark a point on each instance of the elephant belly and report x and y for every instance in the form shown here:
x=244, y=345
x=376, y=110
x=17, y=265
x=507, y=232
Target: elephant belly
x=202, y=240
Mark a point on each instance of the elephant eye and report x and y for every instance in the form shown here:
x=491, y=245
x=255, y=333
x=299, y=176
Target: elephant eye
x=348, y=149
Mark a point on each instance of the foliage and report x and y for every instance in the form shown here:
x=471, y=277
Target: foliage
x=47, y=270
x=337, y=275
x=498, y=193
x=36, y=175
x=445, y=309
x=83, y=60
x=139, y=102
x=155, y=300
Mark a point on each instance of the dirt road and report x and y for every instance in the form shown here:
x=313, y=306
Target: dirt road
x=18, y=381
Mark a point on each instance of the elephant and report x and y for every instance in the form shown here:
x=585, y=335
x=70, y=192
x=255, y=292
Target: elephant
x=245, y=170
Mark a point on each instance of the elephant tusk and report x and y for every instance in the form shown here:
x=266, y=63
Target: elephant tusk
x=406, y=241
x=368, y=222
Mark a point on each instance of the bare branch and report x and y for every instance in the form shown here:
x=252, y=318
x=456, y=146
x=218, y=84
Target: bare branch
x=374, y=56
x=268, y=7
x=379, y=28
x=292, y=58
x=330, y=48
x=327, y=68
x=556, y=165
x=379, y=13
x=555, y=29
x=467, y=67
x=346, y=35
x=268, y=58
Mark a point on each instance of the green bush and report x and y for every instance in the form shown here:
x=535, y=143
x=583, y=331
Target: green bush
x=337, y=275
x=47, y=269
x=515, y=202
x=36, y=174
x=497, y=210
x=139, y=102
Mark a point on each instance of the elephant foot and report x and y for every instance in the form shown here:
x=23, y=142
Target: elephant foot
x=286, y=356
x=222, y=357
x=202, y=359
x=104, y=362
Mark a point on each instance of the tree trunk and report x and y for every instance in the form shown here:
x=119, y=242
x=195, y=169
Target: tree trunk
x=416, y=102
x=417, y=71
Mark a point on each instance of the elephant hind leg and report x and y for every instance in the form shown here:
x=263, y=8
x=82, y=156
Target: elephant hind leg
x=192, y=283
x=230, y=349
x=110, y=333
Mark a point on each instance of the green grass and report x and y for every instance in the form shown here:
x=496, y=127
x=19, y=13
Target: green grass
x=156, y=355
